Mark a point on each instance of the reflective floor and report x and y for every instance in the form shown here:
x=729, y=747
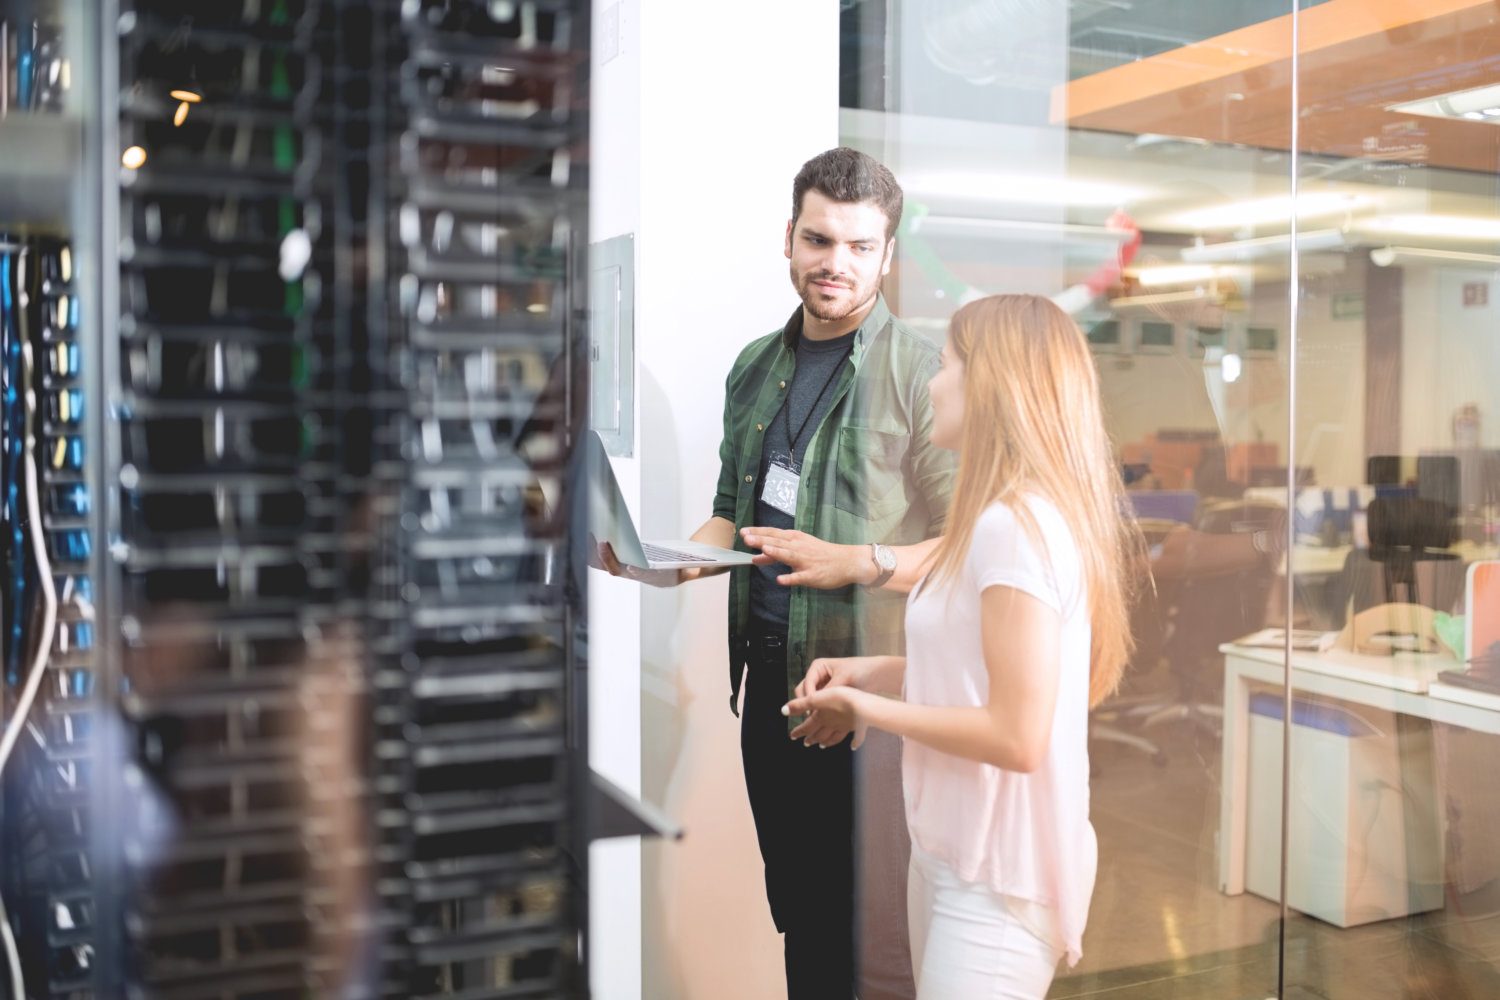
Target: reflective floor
x=1160, y=929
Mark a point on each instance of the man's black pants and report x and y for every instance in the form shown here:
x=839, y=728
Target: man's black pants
x=803, y=802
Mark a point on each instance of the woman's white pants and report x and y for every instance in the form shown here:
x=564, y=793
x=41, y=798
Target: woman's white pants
x=966, y=944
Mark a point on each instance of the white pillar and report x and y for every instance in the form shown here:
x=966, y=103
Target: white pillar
x=700, y=122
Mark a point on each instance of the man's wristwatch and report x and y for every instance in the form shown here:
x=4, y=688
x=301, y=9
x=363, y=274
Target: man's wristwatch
x=885, y=565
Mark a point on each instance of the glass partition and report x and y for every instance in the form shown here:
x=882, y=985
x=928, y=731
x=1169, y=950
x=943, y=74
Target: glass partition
x=1392, y=863
x=1040, y=146
x=1276, y=223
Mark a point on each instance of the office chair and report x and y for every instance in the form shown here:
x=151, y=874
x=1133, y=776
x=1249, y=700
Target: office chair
x=1207, y=611
x=1146, y=627
x=1406, y=560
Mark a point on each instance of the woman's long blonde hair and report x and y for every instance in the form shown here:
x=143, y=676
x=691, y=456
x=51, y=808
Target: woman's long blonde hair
x=1033, y=424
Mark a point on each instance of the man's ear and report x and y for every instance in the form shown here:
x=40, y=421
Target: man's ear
x=890, y=255
x=788, y=248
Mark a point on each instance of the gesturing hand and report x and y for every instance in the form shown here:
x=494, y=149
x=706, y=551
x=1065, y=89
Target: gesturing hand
x=832, y=714
x=814, y=562
x=829, y=671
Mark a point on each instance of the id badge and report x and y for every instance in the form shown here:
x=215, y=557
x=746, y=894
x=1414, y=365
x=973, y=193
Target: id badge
x=781, y=489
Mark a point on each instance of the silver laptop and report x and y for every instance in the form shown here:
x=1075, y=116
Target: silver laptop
x=611, y=522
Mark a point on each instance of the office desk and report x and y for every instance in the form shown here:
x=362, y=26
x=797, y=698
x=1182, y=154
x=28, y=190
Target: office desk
x=1321, y=560
x=1316, y=560
x=1396, y=683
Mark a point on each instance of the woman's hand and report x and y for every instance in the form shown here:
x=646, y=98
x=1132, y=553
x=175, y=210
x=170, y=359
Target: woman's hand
x=832, y=714
x=814, y=562
x=833, y=671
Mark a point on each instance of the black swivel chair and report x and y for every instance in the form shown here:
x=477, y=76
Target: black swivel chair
x=1407, y=558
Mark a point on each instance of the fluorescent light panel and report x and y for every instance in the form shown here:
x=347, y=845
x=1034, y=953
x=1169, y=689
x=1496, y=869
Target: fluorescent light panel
x=1182, y=274
x=1265, y=246
x=1386, y=256
x=1267, y=211
x=1457, y=227
x=1480, y=104
x=1012, y=229
x=1019, y=189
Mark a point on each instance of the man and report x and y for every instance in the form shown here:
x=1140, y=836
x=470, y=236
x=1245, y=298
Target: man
x=826, y=433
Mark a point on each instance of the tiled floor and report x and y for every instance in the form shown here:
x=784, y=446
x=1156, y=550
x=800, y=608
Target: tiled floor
x=1159, y=928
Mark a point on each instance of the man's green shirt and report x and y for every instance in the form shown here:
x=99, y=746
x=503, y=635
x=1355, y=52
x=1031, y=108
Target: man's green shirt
x=871, y=474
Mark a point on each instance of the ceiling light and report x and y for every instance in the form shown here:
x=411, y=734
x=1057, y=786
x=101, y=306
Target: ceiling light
x=1162, y=299
x=1265, y=246
x=133, y=157
x=1386, y=256
x=1015, y=229
x=1452, y=226
x=539, y=301
x=187, y=96
x=1181, y=274
x=1265, y=211
x=1018, y=189
x=1230, y=367
x=1476, y=104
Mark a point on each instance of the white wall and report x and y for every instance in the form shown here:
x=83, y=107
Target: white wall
x=1330, y=380
x=734, y=100
x=614, y=605
x=1145, y=393
x=1450, y=355
x=700, y=124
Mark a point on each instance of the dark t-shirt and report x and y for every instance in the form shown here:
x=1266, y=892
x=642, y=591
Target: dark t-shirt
x=812, y=388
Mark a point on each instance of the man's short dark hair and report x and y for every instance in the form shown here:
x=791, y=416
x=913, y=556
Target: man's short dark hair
x=849, y=176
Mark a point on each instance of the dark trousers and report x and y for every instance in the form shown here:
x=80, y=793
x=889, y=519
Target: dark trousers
x=803, y=802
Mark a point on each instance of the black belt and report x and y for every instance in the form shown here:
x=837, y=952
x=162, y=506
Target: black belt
x=764, y=644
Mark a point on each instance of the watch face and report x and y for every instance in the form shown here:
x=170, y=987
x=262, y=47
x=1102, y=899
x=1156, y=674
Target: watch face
x=885, y=557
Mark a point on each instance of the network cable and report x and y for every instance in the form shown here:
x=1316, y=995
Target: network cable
x=14, y=450
x=43, y=643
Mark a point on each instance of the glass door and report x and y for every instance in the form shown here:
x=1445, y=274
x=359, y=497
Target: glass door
x=1392, y=866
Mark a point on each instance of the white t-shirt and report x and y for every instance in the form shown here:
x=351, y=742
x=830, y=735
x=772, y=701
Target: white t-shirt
x=1026, y=836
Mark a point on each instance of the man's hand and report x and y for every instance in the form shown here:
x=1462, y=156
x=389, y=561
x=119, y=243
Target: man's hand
x=814, y=562
x=832, y=714
x=602, y=556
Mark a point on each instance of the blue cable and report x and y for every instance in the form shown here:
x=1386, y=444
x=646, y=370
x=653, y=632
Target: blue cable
x=15, y=450
x=25, y=66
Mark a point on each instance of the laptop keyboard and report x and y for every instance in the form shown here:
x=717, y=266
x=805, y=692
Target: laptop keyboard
x=656, y=553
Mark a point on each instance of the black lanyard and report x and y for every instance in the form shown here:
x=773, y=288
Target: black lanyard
x=786, y=406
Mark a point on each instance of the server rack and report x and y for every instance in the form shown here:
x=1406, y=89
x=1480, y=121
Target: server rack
x=484, y=224
x=304, y=320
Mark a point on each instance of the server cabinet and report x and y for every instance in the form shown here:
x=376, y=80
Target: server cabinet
x=293, y=305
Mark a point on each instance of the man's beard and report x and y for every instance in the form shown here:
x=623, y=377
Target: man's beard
x=828, y=312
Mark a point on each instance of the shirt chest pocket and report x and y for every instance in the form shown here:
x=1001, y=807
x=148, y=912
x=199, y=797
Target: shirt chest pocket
x=868, y=483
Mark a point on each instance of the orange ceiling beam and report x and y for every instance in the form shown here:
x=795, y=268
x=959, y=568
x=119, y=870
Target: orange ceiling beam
x=1240, y=51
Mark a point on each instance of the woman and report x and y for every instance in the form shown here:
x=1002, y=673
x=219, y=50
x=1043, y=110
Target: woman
x=1017, y=629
